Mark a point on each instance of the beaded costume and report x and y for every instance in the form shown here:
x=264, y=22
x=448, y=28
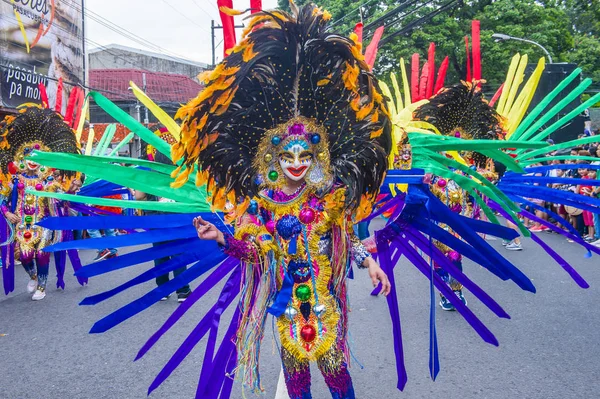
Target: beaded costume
x=34, y=129
x=294, y=100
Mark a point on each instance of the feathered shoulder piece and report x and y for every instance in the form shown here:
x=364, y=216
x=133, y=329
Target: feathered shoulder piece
x=288, y=80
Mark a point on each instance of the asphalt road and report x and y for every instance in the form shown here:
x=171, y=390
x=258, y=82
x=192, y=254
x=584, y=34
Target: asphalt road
x=549, y=349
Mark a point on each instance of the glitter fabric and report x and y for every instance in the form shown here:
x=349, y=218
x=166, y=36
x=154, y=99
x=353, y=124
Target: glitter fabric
x=241, y=249
x=359, y=252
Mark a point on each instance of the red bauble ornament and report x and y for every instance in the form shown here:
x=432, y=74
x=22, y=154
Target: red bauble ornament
x=307, y=216
x=308, y=333
x=27, y=235
x=270, y=225
x=12, y=168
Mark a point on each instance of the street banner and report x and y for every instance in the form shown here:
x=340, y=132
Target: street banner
x=41, y=41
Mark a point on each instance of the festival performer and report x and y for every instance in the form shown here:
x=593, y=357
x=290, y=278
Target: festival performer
x=33, y=129
x=290, y=139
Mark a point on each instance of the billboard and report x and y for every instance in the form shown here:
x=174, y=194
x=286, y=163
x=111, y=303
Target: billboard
x=40, y=42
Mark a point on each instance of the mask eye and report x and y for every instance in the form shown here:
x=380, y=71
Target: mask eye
x=305, y=156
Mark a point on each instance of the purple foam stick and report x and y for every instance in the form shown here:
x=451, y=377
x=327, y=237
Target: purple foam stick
x=392, y=301
x=420, y=241
x=216, y=276
x=562, y=262
x=468, y=315
x=211, y=319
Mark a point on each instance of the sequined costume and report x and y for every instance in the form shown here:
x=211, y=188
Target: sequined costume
x=295, y=100
x=298, y=232
x=34, y=129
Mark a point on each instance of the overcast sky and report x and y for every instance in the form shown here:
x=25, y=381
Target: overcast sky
x=180, y=27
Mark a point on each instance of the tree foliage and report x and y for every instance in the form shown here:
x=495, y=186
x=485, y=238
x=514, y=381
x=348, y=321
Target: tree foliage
x=569, y=29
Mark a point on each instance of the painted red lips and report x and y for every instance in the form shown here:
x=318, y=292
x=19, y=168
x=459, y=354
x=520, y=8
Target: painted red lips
x=297, y=172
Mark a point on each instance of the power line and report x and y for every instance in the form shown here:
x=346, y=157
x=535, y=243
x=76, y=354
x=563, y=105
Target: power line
x=417, y=22
x=185, y=16
x=122, y=31
x=202, y=9
x=104, y=48
x=338, y=21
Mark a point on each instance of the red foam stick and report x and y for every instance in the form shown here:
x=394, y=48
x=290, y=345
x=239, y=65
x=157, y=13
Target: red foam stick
x=71, y=105
x=228, y=26
x=358, y=29
x=469, y=77
x=371, y=52
x=441, y=76
x=475, y=27
x=423, y=81
x=79, y=108
x=256, y=6
x=44, y=96
x=497, y=95
x=431, y=70
x=59, y=94
x=414, y=78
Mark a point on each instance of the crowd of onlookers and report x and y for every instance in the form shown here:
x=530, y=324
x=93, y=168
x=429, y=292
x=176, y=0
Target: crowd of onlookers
x=584, y=221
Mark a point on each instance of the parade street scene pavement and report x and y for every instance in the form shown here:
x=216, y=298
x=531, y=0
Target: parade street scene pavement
x=548, y=349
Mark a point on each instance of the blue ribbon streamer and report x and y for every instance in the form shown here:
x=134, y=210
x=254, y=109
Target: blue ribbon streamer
x=164, y=268
x=147, y=255
x=283, y=296
x=155, y=295
x=128, y=240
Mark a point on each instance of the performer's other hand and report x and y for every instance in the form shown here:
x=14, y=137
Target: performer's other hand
x=14, y=219
x=378, y=275
x=208, y=231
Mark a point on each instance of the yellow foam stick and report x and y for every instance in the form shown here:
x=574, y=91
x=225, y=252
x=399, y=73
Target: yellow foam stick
x=519, y=76
x=405, y=84
x=514, y=63
x=90, y=142
x=82, y=119
x=161, y=115
x=399, y=104
x=518, y=111
x=529, y=91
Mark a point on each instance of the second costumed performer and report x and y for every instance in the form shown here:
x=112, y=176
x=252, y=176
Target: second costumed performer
x=291, y=136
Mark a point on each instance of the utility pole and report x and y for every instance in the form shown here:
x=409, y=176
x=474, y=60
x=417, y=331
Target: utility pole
x=212, y=31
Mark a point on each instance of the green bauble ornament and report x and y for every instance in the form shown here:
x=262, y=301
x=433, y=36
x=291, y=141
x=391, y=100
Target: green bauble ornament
x=28, y=219
x=303, y=292
x=273, y=175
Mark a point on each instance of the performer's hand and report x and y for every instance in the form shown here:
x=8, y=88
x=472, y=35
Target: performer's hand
x=378, y=275
x=208, y=231
x=14, y=219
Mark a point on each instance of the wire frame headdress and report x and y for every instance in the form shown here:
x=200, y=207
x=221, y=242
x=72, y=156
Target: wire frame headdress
x=287, y=67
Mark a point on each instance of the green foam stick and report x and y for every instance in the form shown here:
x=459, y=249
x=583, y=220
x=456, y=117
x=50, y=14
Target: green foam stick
x=556, y=109
x=485, y=186
x=544, y=103
x=149, y=182
x=558, y=158
x=124, y=118
x=122, y=144
x=173, y=207
x=560, y=146
x=102, y=140
x=107, y=137
x=565, y=119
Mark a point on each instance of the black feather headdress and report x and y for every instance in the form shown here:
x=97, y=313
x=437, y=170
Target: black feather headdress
x=287, y=67
x=462, y=111
x=34, y=129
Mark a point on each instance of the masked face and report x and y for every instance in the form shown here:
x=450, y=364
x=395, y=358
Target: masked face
x=32, y=166
x=296, y=159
